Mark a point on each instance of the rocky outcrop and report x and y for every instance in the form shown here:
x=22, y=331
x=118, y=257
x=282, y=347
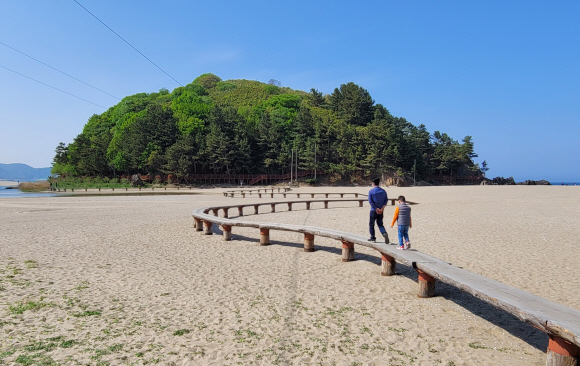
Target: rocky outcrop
x=136, y=181
x=503, y=181
x=541, y=182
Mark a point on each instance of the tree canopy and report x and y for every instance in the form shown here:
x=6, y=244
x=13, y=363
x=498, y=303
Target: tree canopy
x=242, y=126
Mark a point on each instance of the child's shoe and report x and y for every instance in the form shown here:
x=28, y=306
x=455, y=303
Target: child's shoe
x=372, y=240
x=408, y=245
x=401, y=247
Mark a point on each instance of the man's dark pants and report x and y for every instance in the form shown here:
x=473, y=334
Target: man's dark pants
x=379, y=219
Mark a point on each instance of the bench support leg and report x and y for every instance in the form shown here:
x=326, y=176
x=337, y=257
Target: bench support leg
x=289, y=206
x=325, y=204
x=347, y=251
x=215, y=211
x=225, y=213
x=264, y=236
x=360, y=203
x=562, y=353
x=388, y=265
x=240, y=211
x=198, y=225
x=227, y=230
x=308, y=205
x=426, y=285
x=273, y=207
x=208, y=228
x=308, y=242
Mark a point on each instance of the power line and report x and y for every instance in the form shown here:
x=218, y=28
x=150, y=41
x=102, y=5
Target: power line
x=62, y=72
x=94, y=16
x=50, y=86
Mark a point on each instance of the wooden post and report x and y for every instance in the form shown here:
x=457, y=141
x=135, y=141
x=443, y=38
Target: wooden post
x=243, y=195
x=298, y=195
x=325, y=204
x=259, y=195
x=347, y=251
x=426, y=285
x=393, y=202
x=255, y=209
x=388, y=265
x=289, y=206
x=284, y=195
x=561, y=353
x=264, y=236
x=227, y=230
x=232, y=195
x=342, y=195
x=271, y=195
x=215, y=211
x=326, y=194
x=356, y=195
x=273, y=207
x=198, y=225
x=308, y=205
x=240, y=210
x=225, y=213
x=311, y=195
x=308, y=242
x=360, y=203
x=208, y=228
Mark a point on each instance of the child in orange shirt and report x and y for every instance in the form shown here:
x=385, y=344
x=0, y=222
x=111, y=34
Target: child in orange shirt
x=403, y=219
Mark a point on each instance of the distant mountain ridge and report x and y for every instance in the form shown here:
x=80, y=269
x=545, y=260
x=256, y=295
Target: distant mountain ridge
x=19, y=171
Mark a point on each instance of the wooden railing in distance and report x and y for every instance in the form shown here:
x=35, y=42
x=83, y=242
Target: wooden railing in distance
x=561, y=323
x=271, y=194
x=232, y=192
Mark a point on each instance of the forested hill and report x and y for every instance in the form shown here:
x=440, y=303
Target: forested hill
x=242, y=126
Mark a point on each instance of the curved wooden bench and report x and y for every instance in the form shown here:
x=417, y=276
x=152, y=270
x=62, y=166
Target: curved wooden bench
x=561, y=323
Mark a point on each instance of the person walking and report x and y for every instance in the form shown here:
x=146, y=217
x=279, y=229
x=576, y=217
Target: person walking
x=402, y=217
x=378, y=200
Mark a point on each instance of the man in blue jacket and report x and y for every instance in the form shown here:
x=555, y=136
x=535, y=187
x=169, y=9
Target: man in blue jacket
x=378, y=200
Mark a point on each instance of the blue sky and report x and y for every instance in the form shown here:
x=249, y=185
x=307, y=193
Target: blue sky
x=505, y=72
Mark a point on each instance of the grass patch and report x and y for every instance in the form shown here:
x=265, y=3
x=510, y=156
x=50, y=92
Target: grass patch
x=21, y=307
x=31, y=264
x=87, y=313
x=477, y=346
x=181, y=332
x=37, y=359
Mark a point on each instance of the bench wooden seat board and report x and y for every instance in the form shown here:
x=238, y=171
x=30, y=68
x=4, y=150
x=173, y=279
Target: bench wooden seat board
x=550, y=317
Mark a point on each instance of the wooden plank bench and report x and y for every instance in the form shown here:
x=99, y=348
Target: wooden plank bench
x=562, y=324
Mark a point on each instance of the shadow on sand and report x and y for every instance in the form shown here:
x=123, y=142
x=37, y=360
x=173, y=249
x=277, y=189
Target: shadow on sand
x=477, y=307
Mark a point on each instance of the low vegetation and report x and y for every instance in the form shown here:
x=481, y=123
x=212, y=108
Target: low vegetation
x=39, y=186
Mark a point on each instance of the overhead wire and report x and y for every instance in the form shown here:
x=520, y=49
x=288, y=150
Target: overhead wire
x=62, y=72
x=124, y=40
x=50, y=86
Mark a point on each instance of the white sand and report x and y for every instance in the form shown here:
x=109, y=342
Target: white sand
x=119, y=277
x=8, y=183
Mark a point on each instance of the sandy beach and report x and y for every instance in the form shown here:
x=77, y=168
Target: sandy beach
x=127, y=280
x=8, y=183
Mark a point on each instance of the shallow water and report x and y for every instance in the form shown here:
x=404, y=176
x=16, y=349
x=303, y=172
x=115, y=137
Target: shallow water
x=16, y=193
